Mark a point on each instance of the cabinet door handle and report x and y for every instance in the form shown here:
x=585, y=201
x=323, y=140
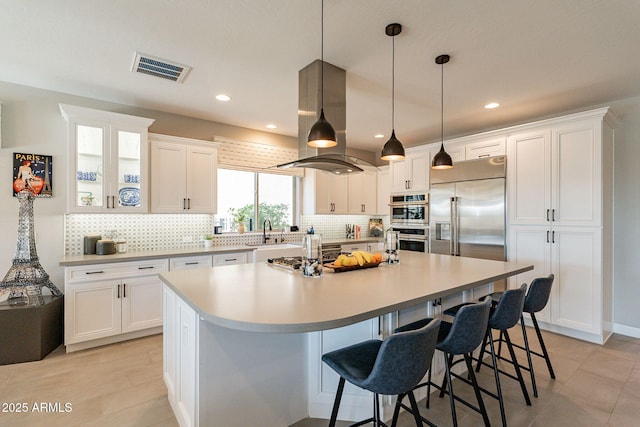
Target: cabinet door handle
x=484, y=155
x=547, y=236
x=94, y=272
x=553, y=214
x=118, y=291
x=124, y=290
x=553, y=237
x=108, y=197
x=184, y=203
x=150, y=267
x=547, y=214
x=113, y=202
x=188, y=203
x=409, y=187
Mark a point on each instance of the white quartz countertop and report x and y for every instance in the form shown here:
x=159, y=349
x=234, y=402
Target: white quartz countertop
x=71, y=260
x=263, y=298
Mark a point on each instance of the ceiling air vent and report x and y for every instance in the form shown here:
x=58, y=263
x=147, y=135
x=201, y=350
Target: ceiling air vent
x=147, y=64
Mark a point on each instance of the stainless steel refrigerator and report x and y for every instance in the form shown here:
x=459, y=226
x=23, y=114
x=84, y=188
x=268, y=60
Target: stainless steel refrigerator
x=467, y=209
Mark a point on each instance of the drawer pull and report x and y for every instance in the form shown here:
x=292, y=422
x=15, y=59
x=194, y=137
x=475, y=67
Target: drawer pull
x=151, y=267
x=192, y=263
x=231, y=259
x=94, y=272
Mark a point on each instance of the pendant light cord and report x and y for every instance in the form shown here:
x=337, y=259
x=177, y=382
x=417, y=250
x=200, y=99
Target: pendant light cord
x=322, y=56
x=393, y=83
x=442, y=104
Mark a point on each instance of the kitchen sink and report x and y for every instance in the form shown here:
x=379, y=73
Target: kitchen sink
x=263, y=252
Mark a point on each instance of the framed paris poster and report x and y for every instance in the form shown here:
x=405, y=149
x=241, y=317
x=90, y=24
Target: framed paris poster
x=34, y=173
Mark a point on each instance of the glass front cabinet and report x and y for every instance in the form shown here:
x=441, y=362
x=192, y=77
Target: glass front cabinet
x=108, y=161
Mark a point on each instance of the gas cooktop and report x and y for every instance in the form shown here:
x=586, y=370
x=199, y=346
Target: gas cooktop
x=294, y=262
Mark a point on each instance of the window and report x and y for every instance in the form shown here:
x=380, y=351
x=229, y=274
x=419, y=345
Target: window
x=251, y=198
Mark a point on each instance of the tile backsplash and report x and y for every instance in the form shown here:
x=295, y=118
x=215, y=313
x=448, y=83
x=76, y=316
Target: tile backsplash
x=167, y=231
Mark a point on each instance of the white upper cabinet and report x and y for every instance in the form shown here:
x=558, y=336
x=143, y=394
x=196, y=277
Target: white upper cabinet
x=325, y=193
x=107, y=161
x=183, y=175
x=555, y=175
x=362, y=193
x=486, y=147
x=412, y=173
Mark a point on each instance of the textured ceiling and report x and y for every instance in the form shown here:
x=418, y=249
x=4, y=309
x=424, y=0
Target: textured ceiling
x=537, y=58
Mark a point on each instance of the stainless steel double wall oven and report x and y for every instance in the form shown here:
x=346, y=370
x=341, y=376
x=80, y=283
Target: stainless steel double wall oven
x=409, y=215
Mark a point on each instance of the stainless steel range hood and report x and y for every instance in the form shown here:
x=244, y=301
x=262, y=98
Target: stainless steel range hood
x=332, y=159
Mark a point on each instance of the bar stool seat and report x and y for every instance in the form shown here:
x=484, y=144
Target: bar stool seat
x=390, y=367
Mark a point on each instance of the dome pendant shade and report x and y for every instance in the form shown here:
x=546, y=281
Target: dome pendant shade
x=393, y=149
x=322, y=134
x=442, y=160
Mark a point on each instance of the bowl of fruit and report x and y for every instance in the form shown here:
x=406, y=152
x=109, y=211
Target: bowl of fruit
x=356, y=260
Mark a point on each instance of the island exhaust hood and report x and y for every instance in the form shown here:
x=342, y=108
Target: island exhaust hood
x=332, y=159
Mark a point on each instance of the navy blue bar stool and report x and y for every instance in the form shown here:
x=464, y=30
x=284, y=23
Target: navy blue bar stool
x=536, y=300
x=461, y=337
x=390, y=367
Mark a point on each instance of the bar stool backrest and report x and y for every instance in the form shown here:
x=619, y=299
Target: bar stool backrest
x=403, y=360
x=468, y=328
x=538, y=294
x=509, y=309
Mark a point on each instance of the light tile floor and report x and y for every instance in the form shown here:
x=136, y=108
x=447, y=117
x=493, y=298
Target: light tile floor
x=121, y=385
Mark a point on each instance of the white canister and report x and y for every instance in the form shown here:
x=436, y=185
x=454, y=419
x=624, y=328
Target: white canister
x=121, y=246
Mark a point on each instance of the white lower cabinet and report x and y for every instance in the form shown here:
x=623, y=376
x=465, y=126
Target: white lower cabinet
x=106, y=303
x=578, y=305
x=230, y=258
x=323, y=381
x=190, y=262
x=181, y=358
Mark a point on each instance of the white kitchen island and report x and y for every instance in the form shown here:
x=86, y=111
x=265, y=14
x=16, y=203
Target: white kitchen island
x=236, y=347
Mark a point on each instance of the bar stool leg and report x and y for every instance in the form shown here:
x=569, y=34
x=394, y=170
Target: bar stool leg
x=496, y=375
x=336, y=403
x=482, y=350
x=476, y=389
x=443, y=388
x=517, y=368
x=396, y=411
x=415, y=410
x=544, y=348
x=529, y=361
x=452, y=400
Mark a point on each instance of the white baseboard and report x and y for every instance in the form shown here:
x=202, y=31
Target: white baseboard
x=629, y=331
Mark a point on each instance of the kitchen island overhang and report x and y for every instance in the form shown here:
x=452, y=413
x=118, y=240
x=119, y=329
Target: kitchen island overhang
x=236, y=344
x=263, y=298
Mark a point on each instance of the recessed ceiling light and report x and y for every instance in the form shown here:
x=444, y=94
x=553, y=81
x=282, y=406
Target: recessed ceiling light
x=491, y=105
x=223, y=97
x=378, y=135
x=271, y=126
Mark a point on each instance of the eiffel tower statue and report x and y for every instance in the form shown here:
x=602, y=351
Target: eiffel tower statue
x=26, y=277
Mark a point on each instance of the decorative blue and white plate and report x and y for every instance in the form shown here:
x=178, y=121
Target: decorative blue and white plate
x=129, y=196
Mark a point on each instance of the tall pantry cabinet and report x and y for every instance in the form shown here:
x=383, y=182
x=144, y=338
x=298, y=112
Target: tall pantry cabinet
x=560, y=197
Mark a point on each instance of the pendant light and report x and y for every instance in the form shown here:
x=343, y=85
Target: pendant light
x=322, y=134
x=393, y=149
x=442, y=160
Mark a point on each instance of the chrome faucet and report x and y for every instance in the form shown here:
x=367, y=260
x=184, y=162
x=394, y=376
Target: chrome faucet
x=264, y=230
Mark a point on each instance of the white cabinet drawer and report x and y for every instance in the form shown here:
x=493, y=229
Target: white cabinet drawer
x=230, y=258
x=115, y=270
x=190, y=263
